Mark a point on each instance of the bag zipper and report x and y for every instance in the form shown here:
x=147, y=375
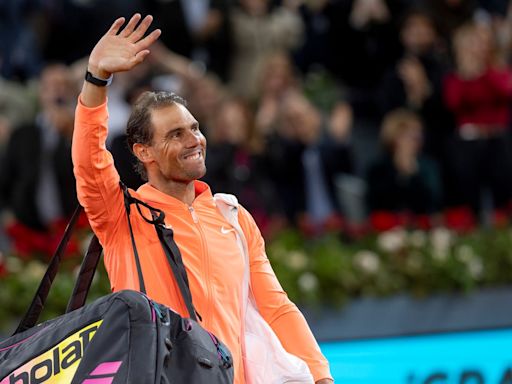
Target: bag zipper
x=224, y=356
x=155, y=309
x=23, y=340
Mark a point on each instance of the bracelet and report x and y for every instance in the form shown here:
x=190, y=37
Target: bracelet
x=89, y=77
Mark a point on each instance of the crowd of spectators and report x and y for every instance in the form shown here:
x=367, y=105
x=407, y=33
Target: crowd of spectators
x=410, y=124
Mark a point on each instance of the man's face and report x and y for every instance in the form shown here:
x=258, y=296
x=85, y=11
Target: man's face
x=178, y=146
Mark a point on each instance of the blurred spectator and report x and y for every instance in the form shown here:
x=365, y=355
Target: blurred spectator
x=402, y=180
x=479, y=95
x=363, y=44
x=306, y=154
x=502, y=25
x=379, y=54
x=204, y=96
x=314, y=51
x=416, y=83
x=196, y=29
x=19, y=49
x=451, y=14
x=63, y=20
x=276, y=78
x=17, y=107
x=236, y=164
x=259, y=30
x=36, y=180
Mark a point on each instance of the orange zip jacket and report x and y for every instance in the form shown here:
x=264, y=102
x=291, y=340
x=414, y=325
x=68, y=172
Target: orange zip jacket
x=207, y=243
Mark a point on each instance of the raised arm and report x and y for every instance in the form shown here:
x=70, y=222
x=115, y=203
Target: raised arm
x=117, y=51
x=96, y=177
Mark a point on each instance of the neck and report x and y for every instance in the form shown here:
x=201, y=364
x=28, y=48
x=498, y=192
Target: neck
x=183, y=191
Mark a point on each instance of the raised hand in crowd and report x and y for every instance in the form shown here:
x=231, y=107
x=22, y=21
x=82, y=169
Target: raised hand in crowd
x=365, y=11
x=416, y=83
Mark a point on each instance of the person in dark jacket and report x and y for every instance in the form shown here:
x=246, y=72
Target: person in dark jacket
x=402, y=180
x=306, y=153
x=36, y=179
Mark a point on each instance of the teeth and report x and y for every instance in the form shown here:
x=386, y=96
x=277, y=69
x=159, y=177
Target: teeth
x=195, y=156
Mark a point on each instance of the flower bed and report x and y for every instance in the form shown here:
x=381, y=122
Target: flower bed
x=326, y=270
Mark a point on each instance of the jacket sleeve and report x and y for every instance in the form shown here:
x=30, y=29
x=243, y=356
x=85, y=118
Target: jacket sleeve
x=283, y=316
x=96, y=177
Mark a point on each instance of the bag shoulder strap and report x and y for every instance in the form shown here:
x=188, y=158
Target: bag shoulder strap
x=86, y=275
x=170, y=248
x=36, y=307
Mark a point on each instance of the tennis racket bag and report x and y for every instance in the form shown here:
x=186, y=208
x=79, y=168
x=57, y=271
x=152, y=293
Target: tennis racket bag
x=124, y=337
x=120, y=338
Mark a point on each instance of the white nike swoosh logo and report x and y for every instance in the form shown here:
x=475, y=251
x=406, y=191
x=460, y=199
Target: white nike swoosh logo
x=225, y=231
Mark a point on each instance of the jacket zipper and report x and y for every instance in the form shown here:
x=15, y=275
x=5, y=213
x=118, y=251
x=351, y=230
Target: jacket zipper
x=206, y=259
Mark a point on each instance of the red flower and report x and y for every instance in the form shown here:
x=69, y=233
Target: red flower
x=423, y=222
x=460, y=219
x=382, y=221
x=27, y=241
x=499, y=218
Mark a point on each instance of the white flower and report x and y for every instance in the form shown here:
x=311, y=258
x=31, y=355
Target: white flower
x=297, y=260
x=308, y=282
x=440, y=255
x=35, y=269
x=441, y=240
x=13, y=264
x=367, y=261
x=476, y=268
x=393, y=240
x=418, y=239
x=464, y=254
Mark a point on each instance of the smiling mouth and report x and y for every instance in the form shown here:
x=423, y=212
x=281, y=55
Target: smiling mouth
x=194, y=156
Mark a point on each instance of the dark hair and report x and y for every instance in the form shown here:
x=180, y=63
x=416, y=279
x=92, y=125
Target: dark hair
x=139, y=128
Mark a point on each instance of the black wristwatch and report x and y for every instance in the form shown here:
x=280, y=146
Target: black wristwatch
x=97, y=81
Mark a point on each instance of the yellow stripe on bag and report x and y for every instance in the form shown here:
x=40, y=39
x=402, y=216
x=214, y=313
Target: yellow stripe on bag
x=57, y=365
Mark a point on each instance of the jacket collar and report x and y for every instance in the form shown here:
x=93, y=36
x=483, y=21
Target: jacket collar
x=152, y=195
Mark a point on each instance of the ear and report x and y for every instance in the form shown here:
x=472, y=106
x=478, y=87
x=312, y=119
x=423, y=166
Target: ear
x=143, y=153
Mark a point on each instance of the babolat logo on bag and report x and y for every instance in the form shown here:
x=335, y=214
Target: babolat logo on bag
x=58, y=364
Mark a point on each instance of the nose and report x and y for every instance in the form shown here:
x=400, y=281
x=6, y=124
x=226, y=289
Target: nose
x=194, y=138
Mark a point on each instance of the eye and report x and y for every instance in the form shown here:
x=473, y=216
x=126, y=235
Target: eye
x=176, y=134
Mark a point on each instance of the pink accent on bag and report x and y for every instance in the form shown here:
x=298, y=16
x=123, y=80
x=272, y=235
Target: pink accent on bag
x=108, y=368
x=103, y=380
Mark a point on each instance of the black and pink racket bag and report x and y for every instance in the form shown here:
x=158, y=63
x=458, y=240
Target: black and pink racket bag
x=124, y=337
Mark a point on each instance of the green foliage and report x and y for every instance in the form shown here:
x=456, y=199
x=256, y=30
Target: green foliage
x=321, y=271
x=328, y=270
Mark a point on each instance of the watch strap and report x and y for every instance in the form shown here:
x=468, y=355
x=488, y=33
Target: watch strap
x=89, y=77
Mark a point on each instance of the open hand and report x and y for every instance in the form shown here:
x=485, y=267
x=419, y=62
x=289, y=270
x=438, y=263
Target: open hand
x=121, y=50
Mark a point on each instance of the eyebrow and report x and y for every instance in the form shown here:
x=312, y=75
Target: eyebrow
x=172, y=131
